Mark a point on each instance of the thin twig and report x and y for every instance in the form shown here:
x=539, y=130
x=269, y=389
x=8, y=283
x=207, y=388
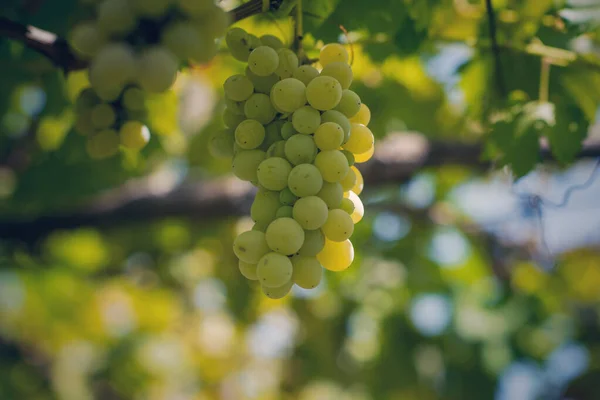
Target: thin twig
x=495, y=49
x=545, y=80
x=347, y=35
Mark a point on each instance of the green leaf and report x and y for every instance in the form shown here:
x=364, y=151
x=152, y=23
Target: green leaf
x=583, y=86
x=567, y=135
x=316, y=12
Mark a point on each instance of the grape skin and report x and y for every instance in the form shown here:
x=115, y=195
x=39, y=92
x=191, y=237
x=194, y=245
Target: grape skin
x=306, y=120
x=305, y=180
x=274, y=270
x=273, y=173
x=249, y=134
x=250, y=246
x=339, y=226
x=324, y=93
x=300, y=149
x=285, y=236
x=332, y=164
x=310, y=212
x=263, y=61
x=277, y=293
x=307, y=272
x=288, y=95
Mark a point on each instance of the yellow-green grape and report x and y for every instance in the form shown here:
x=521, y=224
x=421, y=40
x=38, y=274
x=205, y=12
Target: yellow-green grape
x=348, y=206
x=287, y=130
x=237, y=41
x=221, y=144
x=332, y=194
x=306, y=73
x=332, y=164
x=279, y=292
x=264, y=207
x=274, y=270
x=323, y=93
x=153, y=8
x=331, y=53
x=238, y=87
x=273, y=173
x=366, y=156
x=285, y=236
x=115, y=16
x=336, y=256
x=314, y=241
x=250, y=246
x=340, y=71
x=363, y=116
x=103, y=116
x=286, y=197
x=360, y=183
x=338, y=118
x=157, y=69
x=329, y=136
x=245, y=164
x=113, y=66
x=262, y=84
x=87, y=39
x=288, y=63
x=288, y=95
x=103, y=144
x=361, y=139
x=349, y=104
x=249, y=134
x=83, y=123
x=231, y=119
x=134, y=99
x=300, y=149
x=349, y=157
x=348, y=180
x=277, y=149
x=359, y=208
x=307, y=272
x=306, y=120
x=182, y=39
x=272, y=41
x=263, y=61
x=339, y=226
x=310, y=212
x=284, y=212
x=235, y=107
x=305, y=180
x=259, y=107
x=214, y=22
x=272, y=134
x=248, y=270
x=134, y=135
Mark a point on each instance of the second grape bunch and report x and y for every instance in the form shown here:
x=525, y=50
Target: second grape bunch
x=296, y=133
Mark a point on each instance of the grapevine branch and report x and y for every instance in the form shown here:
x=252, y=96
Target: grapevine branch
x=495, y=48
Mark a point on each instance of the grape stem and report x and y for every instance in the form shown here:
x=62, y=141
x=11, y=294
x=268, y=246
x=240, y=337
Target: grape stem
x=299, y=33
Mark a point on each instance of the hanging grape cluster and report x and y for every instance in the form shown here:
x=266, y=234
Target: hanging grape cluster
x=294, y=132
x=135, y=47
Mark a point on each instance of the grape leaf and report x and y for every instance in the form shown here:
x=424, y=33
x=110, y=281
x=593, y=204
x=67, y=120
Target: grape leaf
x=567, y=135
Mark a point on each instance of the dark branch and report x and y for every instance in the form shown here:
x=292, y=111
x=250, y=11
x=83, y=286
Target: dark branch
x=498, y=73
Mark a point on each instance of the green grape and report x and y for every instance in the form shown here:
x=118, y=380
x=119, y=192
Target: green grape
x=86, y=100
x=238, y=87
x=332, y=52
x=361, y=139
x=274, y=270
x=236, y=107
x=231, y=119
x=214, y=22
x=284, y=212
x=262, y=84
x=264, y=207
x=349, y=104
x=153, y=8
x=310, y=212
x=339, y=226
x=306, y=120
x=307, y=272
x=134, y=99
x=305, y=180
x=272, y=41
x=288, y=95
x=366, y=156
x=332, y=194
x=288, y=62
x=182, y=39
x=336, y=256
x=332, y=164
x=157, y=69
x=338, y=118
x=83, y=123
x=359, y=208
x=263, y=61
x=314, y=241
x=134, y=135
x=277, y=149
x=279, y=292
x=272, y=134
x=115, y=17
x=248, y=270
x=245, y=164
x=323, y=93
x=285, y=236
x=250, y=246
x=258, y=226
x=360, y=183
x=287, y=130
x=348, y=206
x=194, y=8
x=329, y=136
x=286, y=197
x=87, y=39
x=349, y=157
x=103, y=116
x=363, y=116
x=348, y=180
x=103, y=144
x=306, y=73
x=273, y=173
x=221, y=144
x=300, y=149
x=249, y=134
x=113, y=66
x=259, y=107
x=341, y=71
x=237, y=42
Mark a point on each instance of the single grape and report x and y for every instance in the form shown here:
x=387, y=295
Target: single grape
x=306, y=73
x=288, y=63
x=103, y=116
x=237, y=41
x=349, y=157
x=338, y=118
x=249, y=134
x=329, y=136
x=263, y=61
x=134, y=135
x=157, y=69
x=332, y=164
x=284, y=212
x=235, y=107
x=359, y=208
x=262, y=84
x=333, y=52
x=134, y=99
x=288, y=95
x=307, y=272
x=300, y=149
x=348, y=180
x=231, y=119
x=238, y=87
x=182, y=39
x=305, y=180
x=332, y=194
x=348, y=206
x=259, y=107
x=250, y=246
x=113, y=66
x=272, y=41
x=245, y=164
x=341, y=71
x=221, y=143
x=273, y=173
x=103, y=144
x=306, y=120
x=214, y=22
x=360, y=183
x=277, y=149
x=349, y=104
x=366, y=156
x=361, y=139
x=336, y=256
x=279, y=292
x=87, y=39
x=248, y=270
x=285, y=236
x=310, y=212
x=264, y=207
x=363, y=116
x=286, y=196
x=287, y=131
x=314, y=241
x=339, y=225
x=115, y=17
x=323, y=93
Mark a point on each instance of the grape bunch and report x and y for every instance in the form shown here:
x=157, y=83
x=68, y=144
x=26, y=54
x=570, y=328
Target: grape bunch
x=135, y=47
x=296, y=133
